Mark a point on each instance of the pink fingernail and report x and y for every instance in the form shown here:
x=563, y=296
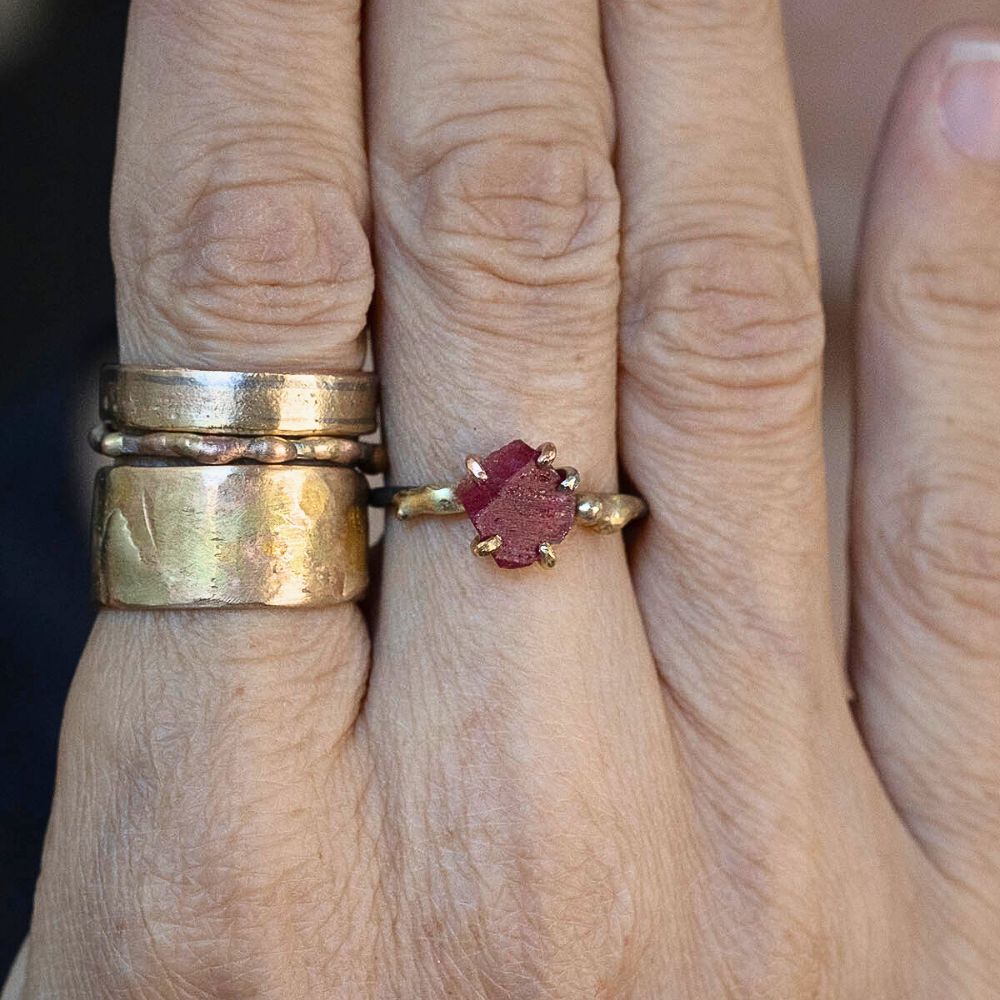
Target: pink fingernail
x=970, y=100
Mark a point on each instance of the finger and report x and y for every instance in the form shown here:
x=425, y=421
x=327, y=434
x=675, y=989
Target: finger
x=926, y=545
x=720, y=429
x=496, y=236
x=238, y=237
x=240, y=193
x=721, y=344
x=497, y=230
x=496, y=220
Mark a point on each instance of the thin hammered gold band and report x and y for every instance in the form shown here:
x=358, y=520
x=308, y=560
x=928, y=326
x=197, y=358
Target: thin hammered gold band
x=221, y=449
x=197, y=536
x=604, y=513
x=291, y=404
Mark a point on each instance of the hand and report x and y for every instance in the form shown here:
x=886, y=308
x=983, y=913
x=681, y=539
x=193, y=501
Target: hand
x=632, y=777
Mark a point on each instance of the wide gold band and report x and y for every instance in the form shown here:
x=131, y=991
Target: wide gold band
x=294, y=404
x=181, y=536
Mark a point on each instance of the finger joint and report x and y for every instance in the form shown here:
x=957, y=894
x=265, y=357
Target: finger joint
x=726, y=332
x=511, y=228
x=243, y=262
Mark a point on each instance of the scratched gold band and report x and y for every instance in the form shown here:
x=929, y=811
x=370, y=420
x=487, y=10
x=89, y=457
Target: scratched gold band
x=198, y=536
x=290, y=404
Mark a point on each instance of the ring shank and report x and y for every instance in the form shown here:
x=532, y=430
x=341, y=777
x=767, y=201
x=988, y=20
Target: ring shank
x=604, y=513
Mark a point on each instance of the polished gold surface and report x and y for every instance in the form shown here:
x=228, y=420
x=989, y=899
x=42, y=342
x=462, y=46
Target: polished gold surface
x=222, y=449
x=136, y=398
x=182, y=536
x=423, y=500
x=602, y=512
x=484, y=546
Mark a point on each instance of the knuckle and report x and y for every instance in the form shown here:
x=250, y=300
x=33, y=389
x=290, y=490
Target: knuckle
x=741, y=14
x=195, y=886
x=791, y=951
x=243, y=260
x=939, y=300
x=943, y=555
x=206, y=935
x=571, y=950
x=572, y=913
x=732, y=325
x=188, y=858
x=507, y=223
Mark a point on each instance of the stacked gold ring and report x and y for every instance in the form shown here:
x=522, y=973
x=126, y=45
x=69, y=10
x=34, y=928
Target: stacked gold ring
x=232, y=489
x=224, y=449
x=292, y=404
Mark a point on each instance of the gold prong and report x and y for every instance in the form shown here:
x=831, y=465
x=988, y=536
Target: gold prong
x=484, y=546
x=475, y=467
x=570, y=480
x=546, y=453
x=547, y=555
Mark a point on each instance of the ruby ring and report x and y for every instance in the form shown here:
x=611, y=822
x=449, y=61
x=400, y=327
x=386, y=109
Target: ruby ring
x=521, y=505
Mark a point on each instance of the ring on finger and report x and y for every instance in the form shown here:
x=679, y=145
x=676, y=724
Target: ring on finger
x=520, y=504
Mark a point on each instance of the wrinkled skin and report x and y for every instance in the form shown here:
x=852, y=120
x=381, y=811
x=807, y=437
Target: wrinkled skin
x=640, y=775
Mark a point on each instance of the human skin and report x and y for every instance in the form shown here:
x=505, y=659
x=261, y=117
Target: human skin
x=845, y=58
x=639, y=775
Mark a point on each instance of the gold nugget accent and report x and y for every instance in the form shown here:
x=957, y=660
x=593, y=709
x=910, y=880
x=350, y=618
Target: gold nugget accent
x=484, y=546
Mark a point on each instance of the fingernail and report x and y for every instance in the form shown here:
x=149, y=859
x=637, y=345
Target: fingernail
x=970, y=100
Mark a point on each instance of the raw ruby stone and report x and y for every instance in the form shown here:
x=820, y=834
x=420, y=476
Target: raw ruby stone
x=520, y=501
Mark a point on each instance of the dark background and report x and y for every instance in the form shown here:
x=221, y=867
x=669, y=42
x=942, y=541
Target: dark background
x=59, y=73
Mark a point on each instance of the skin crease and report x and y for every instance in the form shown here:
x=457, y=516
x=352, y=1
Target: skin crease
x=630, y=778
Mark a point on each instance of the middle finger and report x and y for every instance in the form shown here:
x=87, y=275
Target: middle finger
x=496, y=239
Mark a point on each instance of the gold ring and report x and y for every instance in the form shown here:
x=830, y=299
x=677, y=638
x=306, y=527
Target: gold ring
x=520, y=504
x=222, y=449
x=292, y=404
x=199, y=536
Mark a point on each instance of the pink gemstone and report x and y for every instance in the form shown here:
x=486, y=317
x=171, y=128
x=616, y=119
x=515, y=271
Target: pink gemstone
x=520, y=501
